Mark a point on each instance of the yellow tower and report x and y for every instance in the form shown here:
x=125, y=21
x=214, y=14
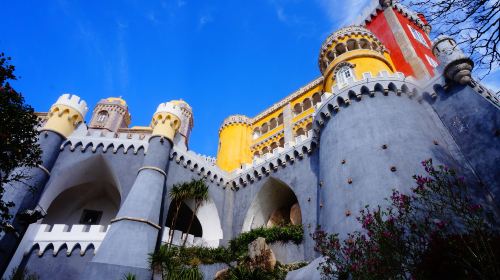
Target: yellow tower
x=235, y=138
x=166, y=120
x=66, y=114
x=349, y=54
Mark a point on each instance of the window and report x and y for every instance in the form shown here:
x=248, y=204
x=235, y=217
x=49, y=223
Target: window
x=431, y=61
x=90, y=217
x=102, y=116
x=343, y=76
x=418, y=36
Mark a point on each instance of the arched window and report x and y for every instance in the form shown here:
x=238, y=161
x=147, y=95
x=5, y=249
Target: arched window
x=264, y=128
x=307, y=104
x=316, y=98
x=352, y=45
x=297, y=109
x=330, y=55
x=375, y=46
x=102, y=116
x=309, y=127
x=280, y=119
x=265, y=150
x=340, y=49
x=274, y=146
x=273, y=124
x=343, y=75
x=256, y=133
x=364, y=44
x=256, y=154
x=282, y=142
x=300, y=132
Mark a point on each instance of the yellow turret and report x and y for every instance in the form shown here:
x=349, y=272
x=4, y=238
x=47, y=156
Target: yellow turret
x=65, y=115
x=235, y=138
x=166, y=121
x=349, y=53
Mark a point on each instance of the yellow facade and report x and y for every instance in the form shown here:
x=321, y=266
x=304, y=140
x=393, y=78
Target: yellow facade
x=63, y=120
x=235, y=138
x=354, y=47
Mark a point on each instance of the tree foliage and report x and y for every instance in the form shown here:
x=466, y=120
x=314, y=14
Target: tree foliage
x=474, y=24
x=18, y=137
x=177, y=262
x=437, y=232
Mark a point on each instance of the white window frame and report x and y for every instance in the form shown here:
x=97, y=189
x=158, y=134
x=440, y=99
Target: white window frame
x=342, y=76
x=418, y=36
x=102, y=116
x=431, y=61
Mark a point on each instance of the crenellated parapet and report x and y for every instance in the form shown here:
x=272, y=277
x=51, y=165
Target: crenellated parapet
x=368, y=87
x=235, y=139
x=235, y=120
x=66, y=114
x=167, y=120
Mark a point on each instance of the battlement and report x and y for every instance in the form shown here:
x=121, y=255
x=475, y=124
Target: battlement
x=235, y=119
x=73, y=101
x=170, y=107
x=59, y=236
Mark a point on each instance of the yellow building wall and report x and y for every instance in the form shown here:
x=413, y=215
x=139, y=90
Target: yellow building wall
x=234, y=146
x=63, y=120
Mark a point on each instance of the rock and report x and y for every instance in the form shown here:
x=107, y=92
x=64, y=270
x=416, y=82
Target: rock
x=278, y=217
x=261, y=254
x=221, y=274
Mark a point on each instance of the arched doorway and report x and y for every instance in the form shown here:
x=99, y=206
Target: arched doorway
x=206, y=229
x=91, y=204
x=275, y=204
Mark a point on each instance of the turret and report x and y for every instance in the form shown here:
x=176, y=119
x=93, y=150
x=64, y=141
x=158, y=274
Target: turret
x=349, y=53
x=110, y=114
x=166, y=120
x=455, y=65
x=235, y=138
x=66, y=114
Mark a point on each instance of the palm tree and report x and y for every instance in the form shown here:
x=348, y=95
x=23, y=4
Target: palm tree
x=177, y=194
x=199, y=192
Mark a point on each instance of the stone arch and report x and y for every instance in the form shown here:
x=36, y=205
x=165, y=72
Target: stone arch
x=352, y=44
x=300, y=132
x=272, y=206
x=309, y=127
x=378, y=88
x=364, y=44
x=265, y=150
x=280, y=119
x=306, y=104
x=297, y=108
x=375, y=46
x=392, y=87
x=330, y=55
x=264, y=128
x=281, y=142
x=273, y=123
x=316, y=98
x=274, y=146
x=256, y=133
x=340, y=49
x=85, y=192
x=206, y=225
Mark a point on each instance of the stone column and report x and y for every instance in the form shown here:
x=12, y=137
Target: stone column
x=134, y=232
x=64, y=116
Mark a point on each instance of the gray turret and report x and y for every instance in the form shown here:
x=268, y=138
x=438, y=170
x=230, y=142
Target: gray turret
x=455, y=65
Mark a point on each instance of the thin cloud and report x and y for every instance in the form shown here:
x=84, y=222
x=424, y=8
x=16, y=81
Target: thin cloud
x=347, y=12
x=204, y=20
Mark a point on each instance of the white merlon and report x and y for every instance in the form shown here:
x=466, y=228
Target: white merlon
x=59, y=235
x=73, y=101
x=170, y=107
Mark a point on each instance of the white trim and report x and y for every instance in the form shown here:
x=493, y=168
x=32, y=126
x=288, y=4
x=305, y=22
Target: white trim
x=418, y=36
x=431, y=61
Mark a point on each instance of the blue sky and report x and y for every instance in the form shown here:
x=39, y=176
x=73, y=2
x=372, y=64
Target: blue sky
x=222, y=57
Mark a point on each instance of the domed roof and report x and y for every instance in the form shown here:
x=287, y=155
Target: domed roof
x=119, y=100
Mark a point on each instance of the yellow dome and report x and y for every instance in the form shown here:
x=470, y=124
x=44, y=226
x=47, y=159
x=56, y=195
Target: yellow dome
x=117, y=99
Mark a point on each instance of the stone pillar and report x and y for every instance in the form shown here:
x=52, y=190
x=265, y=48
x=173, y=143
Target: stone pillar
x=64, y=116
x=135, y=230
x=287, y=122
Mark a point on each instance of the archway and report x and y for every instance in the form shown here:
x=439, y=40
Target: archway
x=206, y=227
x=275, y=204
x=90, y=203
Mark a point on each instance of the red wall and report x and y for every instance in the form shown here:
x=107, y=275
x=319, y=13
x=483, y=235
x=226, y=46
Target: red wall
x=420, y=49
x=380, y=27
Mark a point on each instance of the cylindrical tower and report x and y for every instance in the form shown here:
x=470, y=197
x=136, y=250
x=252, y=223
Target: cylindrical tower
x=135, y=230
x=374, y=145
x=110, y=114
x=455, y=65
x=64, y=116
x=349, y=54
x=235, y=138
x=185, y=113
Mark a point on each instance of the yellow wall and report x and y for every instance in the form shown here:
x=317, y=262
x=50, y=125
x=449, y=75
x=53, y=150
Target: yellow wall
x=63, y=120
x=234, y=146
